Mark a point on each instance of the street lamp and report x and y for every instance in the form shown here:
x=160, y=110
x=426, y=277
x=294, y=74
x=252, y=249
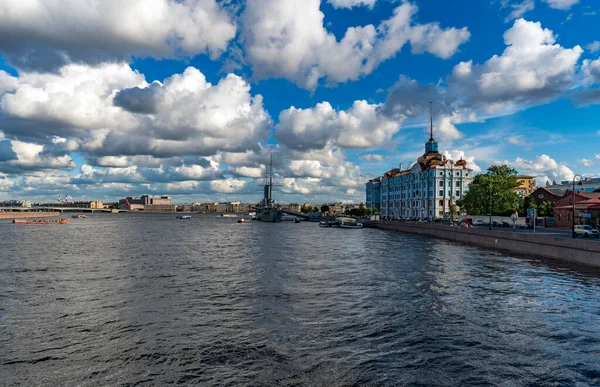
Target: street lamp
x=573, y=235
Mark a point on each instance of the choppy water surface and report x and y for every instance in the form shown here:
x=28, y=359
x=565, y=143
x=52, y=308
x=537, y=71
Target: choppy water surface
x=147, y=299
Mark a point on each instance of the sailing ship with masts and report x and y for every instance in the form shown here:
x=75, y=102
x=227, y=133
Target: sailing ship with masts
x=267, y=210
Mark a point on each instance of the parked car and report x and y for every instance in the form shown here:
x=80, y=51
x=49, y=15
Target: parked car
x=506, y=224
x=478, y=222
x=586, y=231
x=496, y=224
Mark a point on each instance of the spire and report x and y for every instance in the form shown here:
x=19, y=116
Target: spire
x=431, y=146
x=431, y=121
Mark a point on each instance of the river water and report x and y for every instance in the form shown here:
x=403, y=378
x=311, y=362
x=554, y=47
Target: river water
x=143, y=299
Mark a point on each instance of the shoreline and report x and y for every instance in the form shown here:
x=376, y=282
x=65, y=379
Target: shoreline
x=27, y=215
x=578, y=251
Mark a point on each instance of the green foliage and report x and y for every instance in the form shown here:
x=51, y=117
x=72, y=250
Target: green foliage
x=453, y=210
x=546, y=209
x=116, y=205
x=499, y=182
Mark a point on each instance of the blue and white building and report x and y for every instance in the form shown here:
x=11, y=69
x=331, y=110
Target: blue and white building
x=426, y=190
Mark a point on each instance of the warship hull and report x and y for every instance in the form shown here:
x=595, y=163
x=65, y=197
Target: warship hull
x=269, y=215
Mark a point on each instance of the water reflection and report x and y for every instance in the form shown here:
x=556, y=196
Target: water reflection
x=148, y=299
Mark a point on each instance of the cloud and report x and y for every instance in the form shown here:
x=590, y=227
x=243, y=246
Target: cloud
x=591, y=71
x=79, y=97
x=518, y=141
x=586, y=162
x=520, y=9
x=361, y=126
x=593, y=47
x=456, y=155
x=372, y=157
x=542, y=167
x=227, y=185
x=352, y=3
x=561, y=4
x=22, y=157
x=110, y=110
x=589, y=92
x=47, y=35
x=532, y=69
x=287, y=39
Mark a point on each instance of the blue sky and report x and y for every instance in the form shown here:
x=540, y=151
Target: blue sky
x=188, y=98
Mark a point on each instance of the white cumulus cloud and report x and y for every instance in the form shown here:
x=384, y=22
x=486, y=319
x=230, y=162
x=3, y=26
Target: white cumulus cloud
x=288, y=39
x=361, y=126
x=532, y=69
x=49, y=34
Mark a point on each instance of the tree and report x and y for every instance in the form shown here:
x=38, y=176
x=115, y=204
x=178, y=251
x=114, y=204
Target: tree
x=324, y=208
x=116, y=205
x=499, y=182
x=453, y=211
x=546, y=209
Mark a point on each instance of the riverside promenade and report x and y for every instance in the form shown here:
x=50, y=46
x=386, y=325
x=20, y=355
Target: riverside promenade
x=27, y=215
x=580, y=251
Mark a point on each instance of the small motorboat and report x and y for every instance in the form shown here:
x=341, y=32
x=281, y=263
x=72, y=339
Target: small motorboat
x=325, y=224
x=184, y=217
x=242, y=220
x=80, y=216
x=296, y=220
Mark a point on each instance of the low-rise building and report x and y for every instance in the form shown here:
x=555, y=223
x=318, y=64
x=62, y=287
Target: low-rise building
x=542, y=194
x=585, y=203
x=587, y=185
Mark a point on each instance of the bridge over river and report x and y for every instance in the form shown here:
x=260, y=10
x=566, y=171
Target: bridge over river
x=58, y=209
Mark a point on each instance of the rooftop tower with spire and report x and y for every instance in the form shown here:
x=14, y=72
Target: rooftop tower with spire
x=431, y=146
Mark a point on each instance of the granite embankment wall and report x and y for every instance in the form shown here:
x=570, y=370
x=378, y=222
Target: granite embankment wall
x=586, y=252
x=27, y=215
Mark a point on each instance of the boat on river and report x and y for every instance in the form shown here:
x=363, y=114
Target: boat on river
x=267, y=210
x=42, y=221
x=80, y=216
x=184, y=217
x=348, y=223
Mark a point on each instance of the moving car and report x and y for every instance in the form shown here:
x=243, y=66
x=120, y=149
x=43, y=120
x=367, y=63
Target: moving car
x=586, y=231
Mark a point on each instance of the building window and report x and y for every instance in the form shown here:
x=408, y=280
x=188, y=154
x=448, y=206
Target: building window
x=457, y=193
x=441, y=193
x=441, y=202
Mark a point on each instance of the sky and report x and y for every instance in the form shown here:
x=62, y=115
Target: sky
x=102, y=99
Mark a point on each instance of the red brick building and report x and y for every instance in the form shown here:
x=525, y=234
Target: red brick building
x=585, y=203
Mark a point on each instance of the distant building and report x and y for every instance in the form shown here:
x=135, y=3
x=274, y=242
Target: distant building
x=373, y=191
x=542, y=194
x=16, y=203
x=585, y=203
x=148, y=203
x=209, y=207
x=526, y=185
x=293, y=207
x=426, y=190
x=589, y=185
